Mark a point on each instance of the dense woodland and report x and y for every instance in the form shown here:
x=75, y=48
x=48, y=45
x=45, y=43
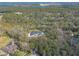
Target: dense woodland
x=59, y=24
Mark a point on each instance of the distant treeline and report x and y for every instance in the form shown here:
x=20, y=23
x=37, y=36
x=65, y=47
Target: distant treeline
x=35, y=9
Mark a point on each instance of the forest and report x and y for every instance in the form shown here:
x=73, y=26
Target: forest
x=59, y=24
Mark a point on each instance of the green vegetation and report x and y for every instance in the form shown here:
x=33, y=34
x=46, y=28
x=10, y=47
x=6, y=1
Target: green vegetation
x=19, y=53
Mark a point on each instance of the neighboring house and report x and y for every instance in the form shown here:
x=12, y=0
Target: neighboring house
x=44, y=4
x=2, y=53
x=10, y=48
x=2, y=13
x=18, y=13
x=74, y=41
x=35, y=34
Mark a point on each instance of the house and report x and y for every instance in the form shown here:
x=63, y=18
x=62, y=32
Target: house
x=10, y=48
x=2, y=13
x=18, y=13
x=44, y=4
x=2, y=53
x=35, y=34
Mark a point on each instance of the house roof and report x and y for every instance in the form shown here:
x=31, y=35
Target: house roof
x=10, y=48
x=2, y=53
x=35, y=32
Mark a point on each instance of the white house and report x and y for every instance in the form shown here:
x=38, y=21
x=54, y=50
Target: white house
x=35, y=34
x=44, y=4
x=18, y=13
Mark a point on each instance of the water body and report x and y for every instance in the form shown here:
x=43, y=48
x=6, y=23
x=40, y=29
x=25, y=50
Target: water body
x=29, y=3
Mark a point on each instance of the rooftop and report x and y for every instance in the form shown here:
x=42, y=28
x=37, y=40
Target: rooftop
x=35, y=34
